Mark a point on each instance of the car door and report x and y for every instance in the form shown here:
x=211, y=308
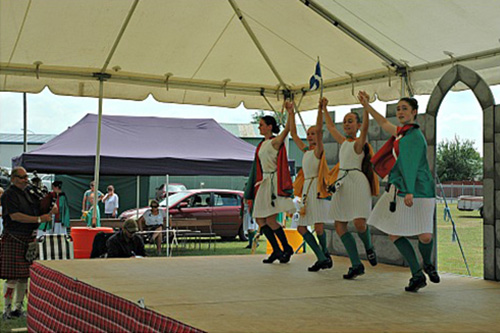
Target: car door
x=226, y=214
x=196, y=206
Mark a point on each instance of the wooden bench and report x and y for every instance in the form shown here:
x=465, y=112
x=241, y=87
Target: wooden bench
x=198, y=230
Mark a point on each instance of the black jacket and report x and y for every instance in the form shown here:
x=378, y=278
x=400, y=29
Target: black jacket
x=118, y=247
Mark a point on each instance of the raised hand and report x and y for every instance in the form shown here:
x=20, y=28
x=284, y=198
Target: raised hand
x=363, y=98
x=289, y=106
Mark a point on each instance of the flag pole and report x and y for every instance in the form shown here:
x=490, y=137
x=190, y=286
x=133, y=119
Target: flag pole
x=321, y=81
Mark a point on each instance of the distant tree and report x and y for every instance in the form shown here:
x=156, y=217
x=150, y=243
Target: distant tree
x=280, y=117
x=458, y=160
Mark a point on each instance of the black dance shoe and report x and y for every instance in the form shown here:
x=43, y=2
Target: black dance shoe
x=287, y=254
x=330, y=260
x=430, y=270
x=371, y=256
x=248, y=246
x=416, y=282
x=273, y=257
x=354, y=272
x=17, y=313
x=324, y=264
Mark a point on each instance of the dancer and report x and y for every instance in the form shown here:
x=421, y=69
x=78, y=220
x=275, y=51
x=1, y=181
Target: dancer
x=354, y=186
x=412, y=189
x=270, y=185
x=311, y=186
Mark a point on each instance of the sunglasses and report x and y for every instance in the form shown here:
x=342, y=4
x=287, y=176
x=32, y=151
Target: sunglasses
x=22, y=177
x=154, y=206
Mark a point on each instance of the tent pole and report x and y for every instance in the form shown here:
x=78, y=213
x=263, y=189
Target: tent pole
x=98, y=152
x=25, y=120
x=167, y=216
x=256, y=42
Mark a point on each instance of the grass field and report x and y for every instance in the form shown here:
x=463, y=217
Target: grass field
x=469, y=228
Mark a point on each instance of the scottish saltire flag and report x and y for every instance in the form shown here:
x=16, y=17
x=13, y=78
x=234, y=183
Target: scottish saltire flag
x=315, y=80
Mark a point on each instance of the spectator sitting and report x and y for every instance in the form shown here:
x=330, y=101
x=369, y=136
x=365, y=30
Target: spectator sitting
x=154, y=219
x=125, y=243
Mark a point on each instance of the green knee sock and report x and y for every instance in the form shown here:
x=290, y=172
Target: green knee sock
x=426, y=251
x=251, y=236
x=311, y=241
x=406, y=249
x=322, y=242
x=366, y=237
x=352, y=250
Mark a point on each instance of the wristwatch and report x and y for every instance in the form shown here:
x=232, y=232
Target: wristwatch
x=39, y=219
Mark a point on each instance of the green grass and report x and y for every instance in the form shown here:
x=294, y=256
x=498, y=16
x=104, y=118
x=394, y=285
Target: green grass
x=469, y=227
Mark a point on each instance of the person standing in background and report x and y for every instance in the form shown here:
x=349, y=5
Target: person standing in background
x=111, y=203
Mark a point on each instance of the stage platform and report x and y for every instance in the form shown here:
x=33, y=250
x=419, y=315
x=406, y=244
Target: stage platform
x=240, y=294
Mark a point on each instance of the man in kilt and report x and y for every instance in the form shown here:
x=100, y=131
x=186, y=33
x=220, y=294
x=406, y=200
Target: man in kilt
x=21, y=217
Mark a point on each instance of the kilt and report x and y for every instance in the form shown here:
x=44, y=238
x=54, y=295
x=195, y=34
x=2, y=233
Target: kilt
x=13, y=265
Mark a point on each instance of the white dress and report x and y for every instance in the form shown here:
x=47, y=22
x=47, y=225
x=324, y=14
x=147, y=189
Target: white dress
x=316, y=209
x=405, y=221
x=263, y=204
x=353, y=199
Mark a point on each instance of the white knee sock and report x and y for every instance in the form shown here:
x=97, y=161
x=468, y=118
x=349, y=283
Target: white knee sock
x=20, y=292
x=8, y=292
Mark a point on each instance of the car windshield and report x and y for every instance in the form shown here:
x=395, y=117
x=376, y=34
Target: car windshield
x=174, y=198
x=176, y=188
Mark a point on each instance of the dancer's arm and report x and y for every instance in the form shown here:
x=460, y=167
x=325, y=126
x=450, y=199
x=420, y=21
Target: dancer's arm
x=319, y=129
x=360, y=142
x=364, y=99
x=278, y=140
x=293, y=132
x=330, y=125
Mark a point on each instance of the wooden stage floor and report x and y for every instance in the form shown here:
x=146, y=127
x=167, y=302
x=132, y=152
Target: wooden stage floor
x=240, y=294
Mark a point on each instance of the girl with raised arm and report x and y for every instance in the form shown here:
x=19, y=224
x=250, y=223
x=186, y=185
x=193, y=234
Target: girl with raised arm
x=353, y=189
x=311, y=186
x=407, y=209
x=270, y=187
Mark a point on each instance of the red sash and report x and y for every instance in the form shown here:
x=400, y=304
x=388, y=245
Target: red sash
x=383, y=161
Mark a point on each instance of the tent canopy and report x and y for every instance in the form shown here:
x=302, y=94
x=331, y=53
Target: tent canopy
x=143, y=146
x=224, y=52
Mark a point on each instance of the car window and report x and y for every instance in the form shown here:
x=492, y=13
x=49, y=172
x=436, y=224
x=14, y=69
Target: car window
x=199, y=200
x=174, y=198
x=226, y=199
x=176, y=188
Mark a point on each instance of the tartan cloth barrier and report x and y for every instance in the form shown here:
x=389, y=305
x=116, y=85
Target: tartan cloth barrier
x=58, y=303
x=55, y=247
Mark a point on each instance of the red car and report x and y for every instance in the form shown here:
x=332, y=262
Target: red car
x=223, y=207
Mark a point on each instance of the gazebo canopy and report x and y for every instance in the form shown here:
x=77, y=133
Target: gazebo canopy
x=225, y=52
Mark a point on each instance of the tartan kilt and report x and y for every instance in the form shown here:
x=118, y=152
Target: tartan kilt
x=13, y=265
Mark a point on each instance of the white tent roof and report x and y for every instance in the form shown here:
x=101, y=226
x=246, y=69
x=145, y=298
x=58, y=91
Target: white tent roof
x=213, y=59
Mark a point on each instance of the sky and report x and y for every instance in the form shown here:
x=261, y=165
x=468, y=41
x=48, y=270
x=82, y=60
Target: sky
x=460, y=113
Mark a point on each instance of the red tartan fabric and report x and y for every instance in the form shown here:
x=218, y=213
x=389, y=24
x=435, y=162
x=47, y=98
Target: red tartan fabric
x=58, y=303
x=13, y=265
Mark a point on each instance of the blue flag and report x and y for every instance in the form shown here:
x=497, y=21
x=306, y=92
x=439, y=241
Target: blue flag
x=315, y=80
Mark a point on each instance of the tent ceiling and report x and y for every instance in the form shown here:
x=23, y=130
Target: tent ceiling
x=214, y=61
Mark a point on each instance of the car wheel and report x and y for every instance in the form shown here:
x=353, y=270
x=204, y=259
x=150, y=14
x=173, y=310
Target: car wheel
x=241, y=235
x=481, y=212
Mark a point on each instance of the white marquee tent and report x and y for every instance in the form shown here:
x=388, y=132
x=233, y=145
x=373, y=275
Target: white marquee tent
x=224, y=52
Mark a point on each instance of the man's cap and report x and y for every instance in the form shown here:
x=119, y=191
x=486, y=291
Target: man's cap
x=131, y=226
